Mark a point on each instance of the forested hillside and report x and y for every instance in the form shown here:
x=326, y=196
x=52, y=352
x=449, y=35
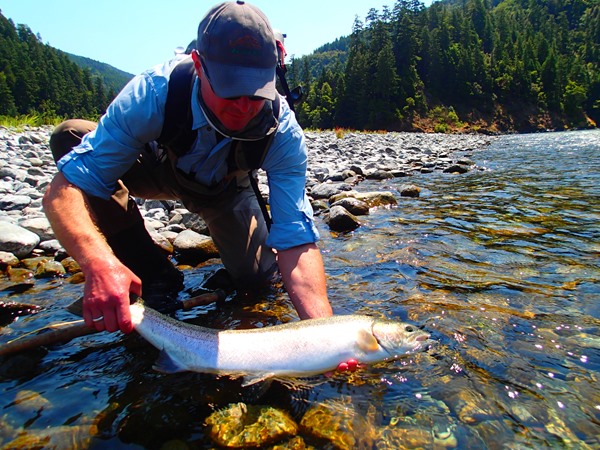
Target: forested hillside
x=36, y=79
x=458, y=65
x=519, y=65
x=114, y=79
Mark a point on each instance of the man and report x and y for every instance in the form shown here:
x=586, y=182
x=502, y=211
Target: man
x=93, y=216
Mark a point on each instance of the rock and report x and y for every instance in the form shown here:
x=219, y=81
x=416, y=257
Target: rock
x=13, y=202
x=341, y=220
x=193, y=222
x=380, y=175
x=17, y=240
x=49, y=269
x=193, y=247
x=353, y=206
x=162, y=242
x=406, y=437
x=249, y=426
x=170, y=236
x=8, y=259
x=19, y=275
x=457, y=168
x=340, y=425
x=410, y=190
x=327, y=190
x=30, y=402
x=50, y=247
x=337, y=197
x=40, y=226
x=319, y=205
x=348, y=173
x=70, y=265
x=34, y=262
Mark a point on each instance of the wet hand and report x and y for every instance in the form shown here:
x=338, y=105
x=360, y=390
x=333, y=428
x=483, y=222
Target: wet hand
x=106, y=297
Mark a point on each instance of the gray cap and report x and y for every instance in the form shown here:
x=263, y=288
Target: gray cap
x=237, y=47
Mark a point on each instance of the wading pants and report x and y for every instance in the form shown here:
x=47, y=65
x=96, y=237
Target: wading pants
x=235, y=222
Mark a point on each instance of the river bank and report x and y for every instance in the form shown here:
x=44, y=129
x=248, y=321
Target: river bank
x=337, y=164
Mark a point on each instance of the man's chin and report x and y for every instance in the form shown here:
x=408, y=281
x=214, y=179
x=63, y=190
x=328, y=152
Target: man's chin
x=234, y=124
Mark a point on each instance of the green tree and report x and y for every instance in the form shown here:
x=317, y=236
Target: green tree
x=7, y=103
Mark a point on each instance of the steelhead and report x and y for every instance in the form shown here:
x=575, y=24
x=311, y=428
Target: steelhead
x=295, y=349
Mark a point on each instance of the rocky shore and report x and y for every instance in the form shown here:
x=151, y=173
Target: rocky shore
x=337, y=165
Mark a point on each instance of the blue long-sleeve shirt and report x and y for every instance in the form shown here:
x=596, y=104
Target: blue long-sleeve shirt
x=136, y=118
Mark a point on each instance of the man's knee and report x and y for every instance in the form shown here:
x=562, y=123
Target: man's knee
x=67, y=135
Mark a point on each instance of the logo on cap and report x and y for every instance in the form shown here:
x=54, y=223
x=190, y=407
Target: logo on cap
x=245, y=45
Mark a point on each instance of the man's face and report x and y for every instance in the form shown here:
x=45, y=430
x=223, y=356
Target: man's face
x=234, y=114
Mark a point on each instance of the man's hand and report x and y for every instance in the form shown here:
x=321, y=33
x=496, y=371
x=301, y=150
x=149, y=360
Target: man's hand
x=108, y=282
x=106, y=297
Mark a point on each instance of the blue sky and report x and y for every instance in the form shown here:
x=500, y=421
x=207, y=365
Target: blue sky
x=133, y=35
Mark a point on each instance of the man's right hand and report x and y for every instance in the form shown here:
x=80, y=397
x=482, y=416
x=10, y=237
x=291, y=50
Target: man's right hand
x=106, y=297
x=108, y=283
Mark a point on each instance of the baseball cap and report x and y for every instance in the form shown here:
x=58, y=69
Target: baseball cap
x=237, y=47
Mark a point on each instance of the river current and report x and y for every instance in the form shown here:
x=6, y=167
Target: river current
x=501, y=265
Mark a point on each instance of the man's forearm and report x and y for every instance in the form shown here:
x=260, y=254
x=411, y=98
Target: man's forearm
x=304, y=278
x=66, y=209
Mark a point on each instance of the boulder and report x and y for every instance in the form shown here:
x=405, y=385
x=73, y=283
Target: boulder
x=17, y=240
x=340, y=219
x=192, y=248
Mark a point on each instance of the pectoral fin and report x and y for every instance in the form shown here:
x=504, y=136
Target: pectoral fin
x=249, y=380
x=367, y=342
x=166, y=364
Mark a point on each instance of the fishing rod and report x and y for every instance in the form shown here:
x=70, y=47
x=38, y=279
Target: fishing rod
x=65, y=331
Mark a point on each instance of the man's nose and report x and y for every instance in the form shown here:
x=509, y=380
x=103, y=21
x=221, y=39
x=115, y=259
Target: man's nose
x=244, y=104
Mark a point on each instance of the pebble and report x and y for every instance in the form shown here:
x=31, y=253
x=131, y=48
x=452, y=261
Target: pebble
x=336, y=167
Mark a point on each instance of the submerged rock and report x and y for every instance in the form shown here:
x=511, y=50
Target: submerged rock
x=249, y=426
x=339, y=424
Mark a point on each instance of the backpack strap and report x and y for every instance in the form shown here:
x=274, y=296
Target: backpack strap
x=177, y=134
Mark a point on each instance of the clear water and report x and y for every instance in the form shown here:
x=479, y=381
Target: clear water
x=501, y=265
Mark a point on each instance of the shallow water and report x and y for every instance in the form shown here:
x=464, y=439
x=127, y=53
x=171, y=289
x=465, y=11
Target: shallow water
x=501, y=265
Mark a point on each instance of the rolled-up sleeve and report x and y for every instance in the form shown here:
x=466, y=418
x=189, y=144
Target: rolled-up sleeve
x=134, y=118
x=285, y=165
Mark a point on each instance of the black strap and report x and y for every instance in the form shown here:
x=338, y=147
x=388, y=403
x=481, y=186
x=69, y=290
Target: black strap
x=177, y=133
x=261, y=200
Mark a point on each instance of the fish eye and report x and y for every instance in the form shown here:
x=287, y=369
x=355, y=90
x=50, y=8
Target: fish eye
x=409, y=328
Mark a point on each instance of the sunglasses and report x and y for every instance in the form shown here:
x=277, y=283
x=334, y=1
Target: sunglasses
x=252, y=98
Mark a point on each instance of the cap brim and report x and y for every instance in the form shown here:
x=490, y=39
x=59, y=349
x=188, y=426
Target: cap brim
x=234, y=81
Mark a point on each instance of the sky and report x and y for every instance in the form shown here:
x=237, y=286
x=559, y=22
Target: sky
x=133, y=35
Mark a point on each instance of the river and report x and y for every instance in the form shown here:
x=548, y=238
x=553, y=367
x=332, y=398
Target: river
x=501, y=265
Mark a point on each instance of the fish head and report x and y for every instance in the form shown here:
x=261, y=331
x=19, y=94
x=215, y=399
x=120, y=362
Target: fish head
x=398, y=338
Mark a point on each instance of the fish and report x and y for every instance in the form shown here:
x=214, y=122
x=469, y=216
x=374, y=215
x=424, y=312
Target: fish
x=296, y=349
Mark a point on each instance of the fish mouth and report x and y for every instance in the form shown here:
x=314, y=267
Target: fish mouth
x=422, y=337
